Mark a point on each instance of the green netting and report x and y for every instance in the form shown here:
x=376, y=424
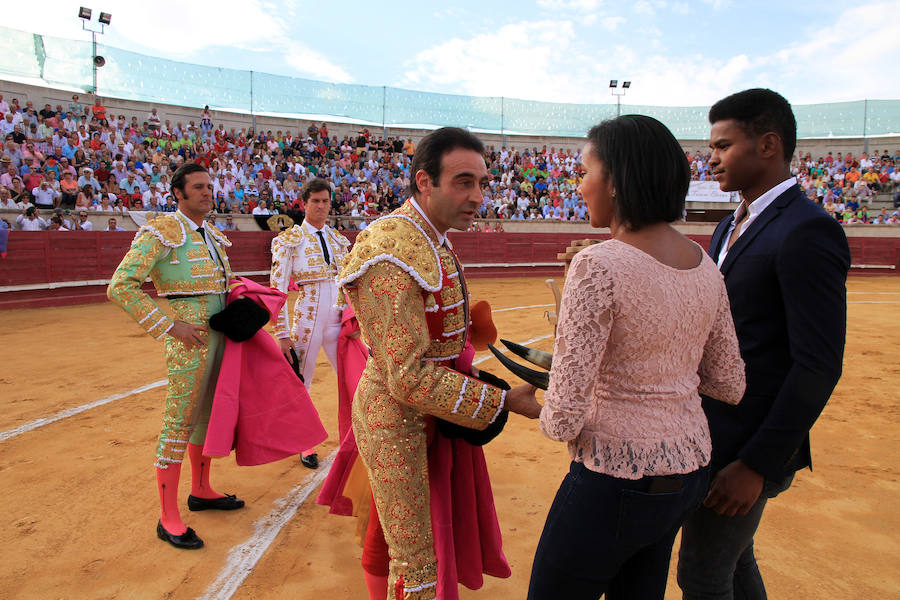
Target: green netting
x=19, y=56
x=139, y=77
x=292, y=95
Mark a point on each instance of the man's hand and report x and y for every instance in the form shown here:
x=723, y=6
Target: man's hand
x=734, y=490
x=285, y=345
x=521, y=400
x=191, y=335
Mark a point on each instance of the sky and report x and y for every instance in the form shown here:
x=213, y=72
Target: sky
x=675, y=53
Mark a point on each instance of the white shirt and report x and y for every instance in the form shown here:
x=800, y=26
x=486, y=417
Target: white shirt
x=440, y=236
x=209, y=245
x=36, y=224
x=755, y=209
x=308, y=226
x=43, y=197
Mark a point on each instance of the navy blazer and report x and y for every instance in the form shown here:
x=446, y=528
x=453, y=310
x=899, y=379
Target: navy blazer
x=786, y=277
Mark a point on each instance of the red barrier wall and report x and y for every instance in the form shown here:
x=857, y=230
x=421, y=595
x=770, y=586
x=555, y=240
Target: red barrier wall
x=48, y=257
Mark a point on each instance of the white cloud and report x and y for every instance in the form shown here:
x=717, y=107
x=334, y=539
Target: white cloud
x=179, y=29
x=558, y=5
x=544, y=60
x=611, y=23
x=642, y=7
x=531, y=59
x=833, y=63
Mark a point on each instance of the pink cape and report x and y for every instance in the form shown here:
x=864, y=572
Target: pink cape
x=260, y=408
x=467, y=539
x=352, y=354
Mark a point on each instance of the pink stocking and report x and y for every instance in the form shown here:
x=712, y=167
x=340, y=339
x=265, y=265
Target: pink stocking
x=200, y=466
x=167, y=482
x=377, y=586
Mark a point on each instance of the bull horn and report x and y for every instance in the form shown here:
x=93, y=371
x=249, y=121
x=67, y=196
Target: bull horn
x=535, y=378
x=535, y=357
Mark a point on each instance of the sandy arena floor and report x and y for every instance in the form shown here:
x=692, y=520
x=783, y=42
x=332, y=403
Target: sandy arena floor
x=80, y=500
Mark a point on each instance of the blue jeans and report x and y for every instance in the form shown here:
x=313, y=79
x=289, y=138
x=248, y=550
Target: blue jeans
x=612, y=536
x=716, y=560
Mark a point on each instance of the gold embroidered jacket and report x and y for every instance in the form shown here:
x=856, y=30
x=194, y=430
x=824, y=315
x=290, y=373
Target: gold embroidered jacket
x=412, y=308
x=177, y=260
x=297, y=254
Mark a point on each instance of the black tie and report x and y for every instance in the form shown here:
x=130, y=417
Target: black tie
x=324, y=247
x=202, y=232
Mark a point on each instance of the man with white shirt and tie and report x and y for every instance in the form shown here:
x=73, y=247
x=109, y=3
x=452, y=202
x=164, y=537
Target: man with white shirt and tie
x=187, y=263
x=311, y=254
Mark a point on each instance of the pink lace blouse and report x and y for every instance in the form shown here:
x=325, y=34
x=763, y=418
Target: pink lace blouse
x=635, y=340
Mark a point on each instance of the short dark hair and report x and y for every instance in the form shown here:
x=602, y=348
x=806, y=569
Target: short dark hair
x=649, y=171
x=434, y=146
x=316, y=184
x=759, y=111
x=180, y=176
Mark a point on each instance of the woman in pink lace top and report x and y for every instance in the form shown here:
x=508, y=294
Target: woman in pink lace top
x=644, y=324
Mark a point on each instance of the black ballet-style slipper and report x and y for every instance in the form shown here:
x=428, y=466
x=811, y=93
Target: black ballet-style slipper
x=228, y=502
x=187, y=540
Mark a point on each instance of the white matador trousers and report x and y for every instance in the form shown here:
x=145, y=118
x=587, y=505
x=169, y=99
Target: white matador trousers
x=317, y=324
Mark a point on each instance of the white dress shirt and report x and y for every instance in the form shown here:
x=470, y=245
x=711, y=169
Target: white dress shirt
x=755, y=209
x=442, y=237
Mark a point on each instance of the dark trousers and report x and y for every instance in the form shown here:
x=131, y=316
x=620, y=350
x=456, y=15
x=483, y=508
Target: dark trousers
x=612, y=536
x=716, y=560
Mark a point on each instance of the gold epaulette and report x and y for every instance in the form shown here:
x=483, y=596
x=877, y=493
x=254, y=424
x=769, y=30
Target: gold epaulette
x=168, y=229
x=290, y=237
x=398, y=239
x=219, y=236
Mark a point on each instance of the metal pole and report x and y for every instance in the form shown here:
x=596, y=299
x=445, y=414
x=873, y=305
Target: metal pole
x=503, y=119
x=383, y=109
x=865, y=126
x=252, y=115
x=618, y=105
x=94, y=61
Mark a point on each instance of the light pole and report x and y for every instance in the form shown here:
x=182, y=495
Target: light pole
x=614, y=90
x=96, y=61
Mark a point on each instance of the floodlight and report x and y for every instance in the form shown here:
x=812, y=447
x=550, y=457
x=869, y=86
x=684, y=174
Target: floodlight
x=625, y=84
x=613, y=83
x=84, y=13
x=105, y=18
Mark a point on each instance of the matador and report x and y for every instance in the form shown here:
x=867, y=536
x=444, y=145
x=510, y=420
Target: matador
x=186, y=260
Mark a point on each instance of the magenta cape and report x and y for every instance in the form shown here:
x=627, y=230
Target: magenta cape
x=260, y=408
x=467, y=540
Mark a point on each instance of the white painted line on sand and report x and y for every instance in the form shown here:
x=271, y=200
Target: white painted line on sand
x=242, y=558
x=69, y=412
x=495, y=310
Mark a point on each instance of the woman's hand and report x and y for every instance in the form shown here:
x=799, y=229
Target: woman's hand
x=521, y=400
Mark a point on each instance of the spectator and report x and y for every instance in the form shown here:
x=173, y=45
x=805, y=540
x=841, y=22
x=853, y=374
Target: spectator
x=111, y=225
x=31, y=220
x=99, y=112
x=56, y=224
x=81, y=223
x=6, y=201
x=45, y=196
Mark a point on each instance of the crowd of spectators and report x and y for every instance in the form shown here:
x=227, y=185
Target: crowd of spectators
x=843, y=184
x=71, y=160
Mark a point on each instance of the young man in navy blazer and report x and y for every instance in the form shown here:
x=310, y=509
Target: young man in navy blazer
x=785, y=264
